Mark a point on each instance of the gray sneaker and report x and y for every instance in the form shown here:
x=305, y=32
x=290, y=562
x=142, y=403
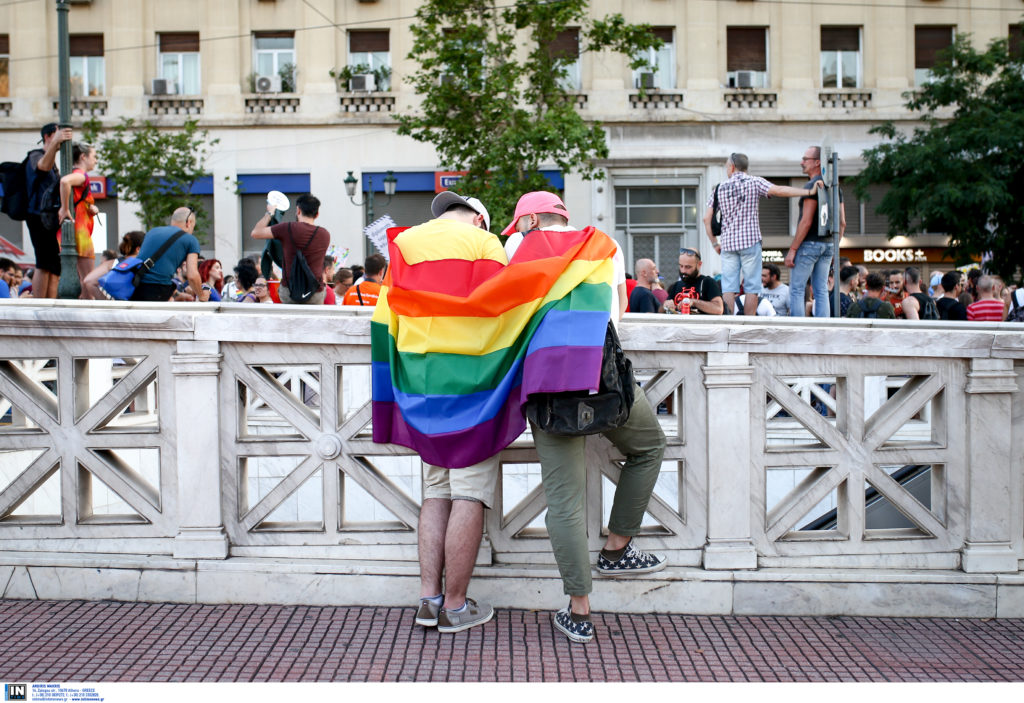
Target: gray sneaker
x=474, y=614
x=427, y=614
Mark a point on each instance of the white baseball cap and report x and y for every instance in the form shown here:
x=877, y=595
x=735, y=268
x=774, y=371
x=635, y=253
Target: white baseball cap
x=446, y=199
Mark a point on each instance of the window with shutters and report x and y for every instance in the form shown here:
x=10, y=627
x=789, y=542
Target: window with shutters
x=773, y=213
x=840, y=57
x=274, y=57
x=657, y=221
x=746, y=57
x=179, y=62
x=370, y=50
x=86, y=65
x=664, y=59
x=566, y=47
x=929, y=42
x=5, y=64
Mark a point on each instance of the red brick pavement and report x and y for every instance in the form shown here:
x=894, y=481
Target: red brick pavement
x=72, y=641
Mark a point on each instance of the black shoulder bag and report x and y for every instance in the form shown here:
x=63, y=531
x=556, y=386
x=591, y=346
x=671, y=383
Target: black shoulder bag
x=576, y=413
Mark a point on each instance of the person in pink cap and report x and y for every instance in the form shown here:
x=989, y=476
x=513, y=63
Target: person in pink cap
x=563, y=467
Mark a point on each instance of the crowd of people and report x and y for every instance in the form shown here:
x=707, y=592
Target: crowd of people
x=750, y=286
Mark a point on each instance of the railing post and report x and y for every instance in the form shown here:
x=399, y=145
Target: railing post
x=988, y=548
x=728, y=377
x=196, y=369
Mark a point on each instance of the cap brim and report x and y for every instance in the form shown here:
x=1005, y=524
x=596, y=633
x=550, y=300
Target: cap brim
x=445, y=200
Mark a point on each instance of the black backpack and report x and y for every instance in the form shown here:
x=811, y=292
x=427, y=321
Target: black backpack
x=928, y=309
x=15, y=201
x=716, y=215
x=869, y=308
x=302, y=284
x=49, y=206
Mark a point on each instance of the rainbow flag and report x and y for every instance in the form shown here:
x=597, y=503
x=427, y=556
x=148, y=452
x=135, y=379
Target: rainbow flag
x=458, y=345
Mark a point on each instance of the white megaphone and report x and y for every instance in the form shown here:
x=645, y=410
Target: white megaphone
x=280, y=202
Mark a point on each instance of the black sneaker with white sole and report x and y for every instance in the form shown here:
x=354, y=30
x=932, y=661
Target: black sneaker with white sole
x=632, y=561
x=582, y=631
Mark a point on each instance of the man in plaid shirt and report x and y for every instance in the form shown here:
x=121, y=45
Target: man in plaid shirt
x=740, y=243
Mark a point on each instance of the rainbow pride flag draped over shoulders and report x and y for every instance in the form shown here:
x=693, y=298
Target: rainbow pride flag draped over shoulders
x=459, y=341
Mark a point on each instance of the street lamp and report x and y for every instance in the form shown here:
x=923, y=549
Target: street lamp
x=389, y=190
x=68, y=285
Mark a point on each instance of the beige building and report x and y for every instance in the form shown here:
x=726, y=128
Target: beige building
x=763, y=77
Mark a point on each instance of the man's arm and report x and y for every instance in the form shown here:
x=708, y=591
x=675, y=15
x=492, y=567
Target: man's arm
x=623, y=299
x=791, y=192
x=804, y=226
x=194, y=281
x=710, y=213
x=715, y=306
x=911, y=308
x=49, y=157
x=842, y=219
x=262, y=229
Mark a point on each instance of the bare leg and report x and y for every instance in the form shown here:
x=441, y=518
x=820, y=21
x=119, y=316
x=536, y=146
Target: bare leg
x=579, y=604
x=729, y=299
x=52, y=285
x=85, y=267
x=41, y=283
x=462, y=541
x=750, y=304
x=432, y=526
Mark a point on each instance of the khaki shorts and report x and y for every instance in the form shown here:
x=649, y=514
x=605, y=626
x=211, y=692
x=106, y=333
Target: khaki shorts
x=477, y=482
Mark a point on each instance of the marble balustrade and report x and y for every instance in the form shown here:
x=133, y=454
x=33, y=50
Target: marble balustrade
x=168, y=439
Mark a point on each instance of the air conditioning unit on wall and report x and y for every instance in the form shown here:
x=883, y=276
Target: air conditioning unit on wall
x=268, y=84
x=363, y=81
x=162, y=86
x=645, y=81
x=745, y=79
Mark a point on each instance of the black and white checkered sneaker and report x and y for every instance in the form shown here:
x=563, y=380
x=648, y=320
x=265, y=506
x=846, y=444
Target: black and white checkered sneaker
x=576, y=631
x=632, y=561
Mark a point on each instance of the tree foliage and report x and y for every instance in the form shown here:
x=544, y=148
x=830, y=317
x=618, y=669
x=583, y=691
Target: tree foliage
x=962, y=174
x=495, y=102
x=153, y=168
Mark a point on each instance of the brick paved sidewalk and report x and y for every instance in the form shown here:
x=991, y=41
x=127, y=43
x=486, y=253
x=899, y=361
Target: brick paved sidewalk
x=71, y=641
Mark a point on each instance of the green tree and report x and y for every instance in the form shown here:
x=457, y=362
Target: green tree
x=155, y=168
x=961, y=173
x=495, y=101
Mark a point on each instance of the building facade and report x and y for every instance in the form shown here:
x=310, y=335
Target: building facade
x=300, y=92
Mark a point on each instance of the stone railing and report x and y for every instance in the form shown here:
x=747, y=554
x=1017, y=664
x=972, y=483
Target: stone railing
x=224, y=454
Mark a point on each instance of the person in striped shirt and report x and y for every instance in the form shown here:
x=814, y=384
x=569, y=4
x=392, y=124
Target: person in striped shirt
x=987, y=308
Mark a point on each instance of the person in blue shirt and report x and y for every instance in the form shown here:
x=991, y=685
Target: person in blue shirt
x=157, y=283
x=8, y=273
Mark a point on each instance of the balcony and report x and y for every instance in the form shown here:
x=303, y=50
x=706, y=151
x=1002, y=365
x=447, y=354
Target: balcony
x=656, y=100
x=844, y=99
x=271, y=103
x=170, y=105
x=750, y=100
x=364, y=102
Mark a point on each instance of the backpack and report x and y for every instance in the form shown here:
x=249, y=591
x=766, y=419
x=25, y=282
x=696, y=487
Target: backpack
x=49, y=205
x=928, y=309
x=15, y=200
x=1016, y=313
x=121, y=281
x=302, y=284
x=576, y=413
x=867, y=310
x=716, y=215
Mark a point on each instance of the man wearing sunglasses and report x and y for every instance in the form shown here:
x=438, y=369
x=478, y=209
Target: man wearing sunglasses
x=157, y=284
x=740, y=242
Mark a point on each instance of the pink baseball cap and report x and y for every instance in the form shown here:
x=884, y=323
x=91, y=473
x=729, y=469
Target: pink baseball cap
x=535, y=203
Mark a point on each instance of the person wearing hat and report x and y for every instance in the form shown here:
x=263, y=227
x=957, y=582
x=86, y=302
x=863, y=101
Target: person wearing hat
x=563, y=464
x=41, y=173
x=452, y=515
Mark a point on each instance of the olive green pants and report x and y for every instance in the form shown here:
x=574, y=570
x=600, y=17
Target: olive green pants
x=564, y=475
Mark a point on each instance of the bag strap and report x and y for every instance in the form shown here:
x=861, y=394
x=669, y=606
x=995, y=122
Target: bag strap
x=714, y=205
x=295, y=244
x=150, y=262
x=360, y=296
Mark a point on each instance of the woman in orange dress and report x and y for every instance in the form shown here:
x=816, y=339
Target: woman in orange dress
x=76, y=185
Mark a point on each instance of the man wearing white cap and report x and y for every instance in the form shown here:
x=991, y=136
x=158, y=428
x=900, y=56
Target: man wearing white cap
x=563, y=467
x=452, y=515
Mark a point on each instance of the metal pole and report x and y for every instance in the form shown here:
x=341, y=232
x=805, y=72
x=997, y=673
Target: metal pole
x=833, y=208
x=369, y=200
x=69, y=286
